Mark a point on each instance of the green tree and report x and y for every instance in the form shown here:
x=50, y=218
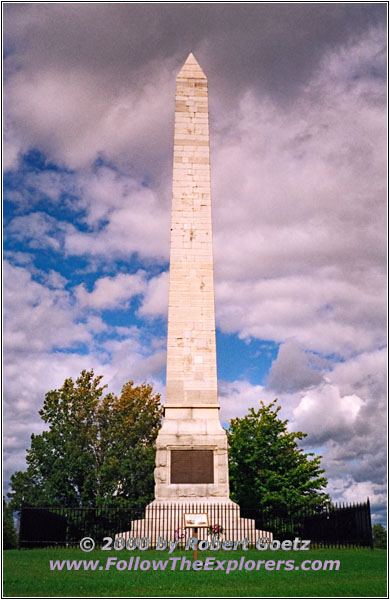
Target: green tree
x=10, y=539
x=98, y=449
x=379, y=534
x=267, y=469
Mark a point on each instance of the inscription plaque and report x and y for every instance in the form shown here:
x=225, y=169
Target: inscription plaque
x=192, y=466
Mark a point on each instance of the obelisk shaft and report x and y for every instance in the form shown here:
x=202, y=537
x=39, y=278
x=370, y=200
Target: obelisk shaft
x=191, y=351
x=191, y=456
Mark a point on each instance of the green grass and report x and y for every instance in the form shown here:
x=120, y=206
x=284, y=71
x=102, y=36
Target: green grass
x=362, y=573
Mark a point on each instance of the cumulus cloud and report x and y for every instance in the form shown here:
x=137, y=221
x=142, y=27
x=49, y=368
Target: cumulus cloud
x=38, y=230
x=324, y=315
x=114, y=215
x=292, y=370
x=346, y=418
x=299, y=205
x=43, y=333
x=237, y=397
x=48, y=187
x=349, y=491
x=75, y=114
x=155, y=301
x=123, y=216
x=54, y=280
x=326, y=414
x=101, y=89
x=138, y=226
x=111, y=292
x=37, y=318
x=299, y=194
x=349, y=407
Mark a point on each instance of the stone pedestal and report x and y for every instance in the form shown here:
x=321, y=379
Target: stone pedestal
x=165, y=520
x=189, y=429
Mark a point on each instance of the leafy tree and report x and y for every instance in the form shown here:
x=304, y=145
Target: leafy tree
x=98, y=449
x=379, y=535
x=10, y=539
x=267, y=469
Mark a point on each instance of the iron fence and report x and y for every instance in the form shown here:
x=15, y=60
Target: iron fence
x=332, y=525
x=346, y=525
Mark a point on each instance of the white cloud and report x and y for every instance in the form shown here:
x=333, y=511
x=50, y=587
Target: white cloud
x=346, y=419
x=349, y=408
x=299, y=212
x=39, y=230
x=155, y=302
x=124, y=217
x=321, y=313
x=237, y=397
x=36, y=317
x=299, y=205
x=293, y=369
x=41, y=325
x=54, y=280
x=44, y=188
x=118, y=215
x=111, y=292
x=75, y=115
x=326, y=414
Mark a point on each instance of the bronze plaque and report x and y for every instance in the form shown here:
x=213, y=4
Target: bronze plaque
x=192, y=466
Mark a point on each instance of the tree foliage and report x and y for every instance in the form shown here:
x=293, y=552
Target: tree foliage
x=97, y=450
x=10, y=539
x=379, y=534
x=267, y=469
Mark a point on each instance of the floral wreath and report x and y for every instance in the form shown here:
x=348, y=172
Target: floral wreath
x=215, y=529
x=179, y=534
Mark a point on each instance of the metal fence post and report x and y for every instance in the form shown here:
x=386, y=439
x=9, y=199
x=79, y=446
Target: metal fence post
x=370, y=524
x=20, y=525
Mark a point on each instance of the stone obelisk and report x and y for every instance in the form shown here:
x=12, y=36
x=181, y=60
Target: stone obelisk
x=191, y=473
x=191, y=460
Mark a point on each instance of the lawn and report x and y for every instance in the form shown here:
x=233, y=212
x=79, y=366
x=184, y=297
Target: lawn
x=362, y=573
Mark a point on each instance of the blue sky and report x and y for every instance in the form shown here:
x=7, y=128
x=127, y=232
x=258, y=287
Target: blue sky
x=298, y=151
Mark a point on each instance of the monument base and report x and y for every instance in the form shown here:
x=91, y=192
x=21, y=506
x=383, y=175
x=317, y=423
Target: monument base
x=165, y=520
x=191, y=430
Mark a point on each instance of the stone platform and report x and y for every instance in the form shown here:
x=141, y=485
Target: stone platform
x=165, y=520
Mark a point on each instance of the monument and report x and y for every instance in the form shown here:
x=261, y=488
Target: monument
x=191, y=473
x=191, y=461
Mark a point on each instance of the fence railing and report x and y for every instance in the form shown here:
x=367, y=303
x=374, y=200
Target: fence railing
x=347, y=525
x=332, y=525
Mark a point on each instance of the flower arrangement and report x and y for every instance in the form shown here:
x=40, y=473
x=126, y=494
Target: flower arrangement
x=215, y=530
x=179, y=534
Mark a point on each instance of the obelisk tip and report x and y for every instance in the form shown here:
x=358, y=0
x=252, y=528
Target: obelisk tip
x=191, y=60
x=191, y=69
